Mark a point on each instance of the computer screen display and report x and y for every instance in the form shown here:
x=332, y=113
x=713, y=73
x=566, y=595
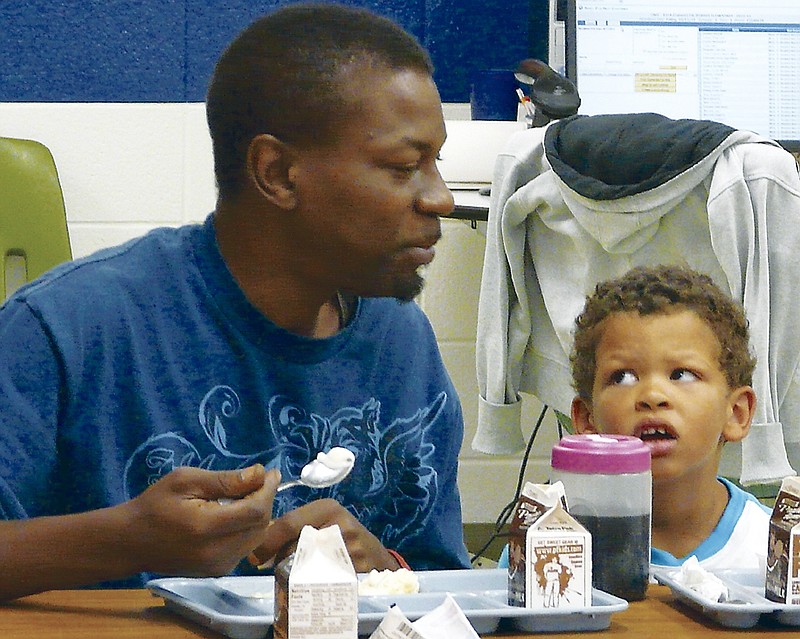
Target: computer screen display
x=731, y=61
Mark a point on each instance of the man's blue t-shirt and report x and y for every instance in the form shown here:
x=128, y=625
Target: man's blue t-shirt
x=117, y=368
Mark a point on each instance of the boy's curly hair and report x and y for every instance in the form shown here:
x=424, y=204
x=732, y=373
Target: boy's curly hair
x=663, y=289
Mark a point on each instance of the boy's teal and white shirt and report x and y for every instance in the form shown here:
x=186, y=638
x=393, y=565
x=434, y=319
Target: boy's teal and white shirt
x=739, y=542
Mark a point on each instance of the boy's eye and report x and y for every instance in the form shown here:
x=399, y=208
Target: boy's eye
x=683, y=375
x=622, y=377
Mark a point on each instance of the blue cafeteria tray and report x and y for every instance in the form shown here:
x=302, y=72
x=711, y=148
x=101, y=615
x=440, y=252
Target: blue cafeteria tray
x=746, y=604
x=242, y=607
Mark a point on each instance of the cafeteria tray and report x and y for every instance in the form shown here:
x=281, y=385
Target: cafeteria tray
x=242, y=607
x=746, y=604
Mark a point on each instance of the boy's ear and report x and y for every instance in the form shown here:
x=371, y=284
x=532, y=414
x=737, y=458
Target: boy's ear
x=269, y=163
x=742, y=407
x=581, y=414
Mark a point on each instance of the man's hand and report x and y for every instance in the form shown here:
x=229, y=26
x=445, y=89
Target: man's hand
x=366, y=551
x=178, y=526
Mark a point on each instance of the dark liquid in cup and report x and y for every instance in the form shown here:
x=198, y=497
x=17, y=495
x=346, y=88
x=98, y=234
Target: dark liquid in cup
x=620, y=554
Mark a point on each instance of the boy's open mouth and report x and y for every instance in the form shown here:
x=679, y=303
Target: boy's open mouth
x=654, y=433
x=659, y=437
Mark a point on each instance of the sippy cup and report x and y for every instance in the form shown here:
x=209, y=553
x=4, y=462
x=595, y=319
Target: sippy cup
x=608, y=487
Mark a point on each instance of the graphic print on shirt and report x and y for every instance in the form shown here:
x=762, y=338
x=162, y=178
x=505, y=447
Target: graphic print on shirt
x=391, y=482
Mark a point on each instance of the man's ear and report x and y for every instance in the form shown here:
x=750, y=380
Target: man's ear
x=581, y=414
x=742, y=407
x=269, y=164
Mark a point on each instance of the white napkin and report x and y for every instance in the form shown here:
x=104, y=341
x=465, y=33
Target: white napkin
x=707, y=585
x=446, y=620
x=395, y=626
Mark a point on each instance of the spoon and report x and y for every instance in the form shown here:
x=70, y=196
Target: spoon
x=325, y=470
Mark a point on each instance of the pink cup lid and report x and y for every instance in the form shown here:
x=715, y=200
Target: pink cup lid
x=604, y=454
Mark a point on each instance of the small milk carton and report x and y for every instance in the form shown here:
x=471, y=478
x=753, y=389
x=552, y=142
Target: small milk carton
x=550, y=553
x=316, y=589
x=783, y=550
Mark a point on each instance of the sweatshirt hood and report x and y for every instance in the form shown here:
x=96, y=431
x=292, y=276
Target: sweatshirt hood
x=620, y=174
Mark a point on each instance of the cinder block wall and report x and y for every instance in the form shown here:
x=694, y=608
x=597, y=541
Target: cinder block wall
x=451, y=301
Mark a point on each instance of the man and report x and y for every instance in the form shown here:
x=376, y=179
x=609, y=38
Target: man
x=145, y=389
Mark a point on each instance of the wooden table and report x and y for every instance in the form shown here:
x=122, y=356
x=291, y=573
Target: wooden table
x=119, y=614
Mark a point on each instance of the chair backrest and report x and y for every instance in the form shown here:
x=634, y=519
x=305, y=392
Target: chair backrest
x=33, y=221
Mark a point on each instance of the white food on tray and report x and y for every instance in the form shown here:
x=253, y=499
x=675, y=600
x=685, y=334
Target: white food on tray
x=389, y=582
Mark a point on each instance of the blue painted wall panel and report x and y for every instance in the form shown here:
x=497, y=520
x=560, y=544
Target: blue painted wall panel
x=165, y=50
x=211, y=26
x=91, y=50
x=463, y=37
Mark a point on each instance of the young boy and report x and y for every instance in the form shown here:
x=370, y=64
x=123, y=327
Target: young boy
x=662, y=354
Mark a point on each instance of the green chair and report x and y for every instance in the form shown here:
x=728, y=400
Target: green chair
x=33, y=221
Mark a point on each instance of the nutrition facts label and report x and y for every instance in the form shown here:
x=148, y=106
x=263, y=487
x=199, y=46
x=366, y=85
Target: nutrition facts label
x=322, y=611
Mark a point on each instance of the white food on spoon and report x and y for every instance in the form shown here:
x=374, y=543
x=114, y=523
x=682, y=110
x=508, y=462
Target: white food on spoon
x=328, y=468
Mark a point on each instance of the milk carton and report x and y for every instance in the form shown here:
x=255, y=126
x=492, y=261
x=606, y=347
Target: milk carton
x=783, y=550
x=316, y=589
x=550, y=553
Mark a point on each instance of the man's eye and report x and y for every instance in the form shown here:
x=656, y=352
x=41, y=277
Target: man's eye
x=404, y=169
x=622, y=377
x=683, y=375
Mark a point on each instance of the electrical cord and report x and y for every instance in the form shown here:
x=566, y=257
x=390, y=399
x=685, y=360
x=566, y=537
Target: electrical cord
x=508, y=509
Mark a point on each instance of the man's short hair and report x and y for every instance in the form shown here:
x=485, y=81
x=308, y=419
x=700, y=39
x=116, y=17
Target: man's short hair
x=286, y=73
x=662, y=290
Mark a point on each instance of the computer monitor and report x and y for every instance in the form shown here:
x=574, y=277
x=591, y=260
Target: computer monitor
x=731, y=61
